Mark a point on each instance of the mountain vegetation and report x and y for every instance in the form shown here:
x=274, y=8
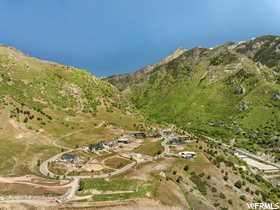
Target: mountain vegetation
x=42, y=101
x=229, y=92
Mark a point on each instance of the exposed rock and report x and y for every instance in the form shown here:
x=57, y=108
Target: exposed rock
x=276, y=97
x=257, y=45
x=243, y=107
x=162, y=174
x=277, y=48
x=240, y=91
x=238, y=130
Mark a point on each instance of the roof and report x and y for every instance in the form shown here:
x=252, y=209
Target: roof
x=139, y=134
x=96, y=146
x=187, y=153
x=67, y=156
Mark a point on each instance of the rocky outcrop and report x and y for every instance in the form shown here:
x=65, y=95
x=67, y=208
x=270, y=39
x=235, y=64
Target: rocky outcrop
x=276, y=97
x=240, y=91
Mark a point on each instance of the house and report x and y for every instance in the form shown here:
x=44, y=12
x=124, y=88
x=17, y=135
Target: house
x=158, y=136
x=185, y=138
x=111, y=143
x=123, y=141
x=187, y=155
x=167, y=133
x=139, y=135
x=69, y=157
x=175, y=141
x=96, y=147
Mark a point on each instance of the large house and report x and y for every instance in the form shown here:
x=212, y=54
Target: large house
x=157, y=136
x=187, y=155
x=69, y=157
x=176, y=141
x=139, y=135
x=123, y=141
x=96, y=147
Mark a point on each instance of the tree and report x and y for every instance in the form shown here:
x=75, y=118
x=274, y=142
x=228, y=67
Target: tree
x=25, y=120
x=243, y=197
x=214, y=189
x=222, y=195
x=202, y=174
x=225, y=178
x=238, y=184
x=38, y=162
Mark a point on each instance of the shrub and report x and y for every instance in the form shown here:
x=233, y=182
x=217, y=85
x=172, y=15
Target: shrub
x=222, y=195
x=243, y=197
x=225, y=178
x=238, y=184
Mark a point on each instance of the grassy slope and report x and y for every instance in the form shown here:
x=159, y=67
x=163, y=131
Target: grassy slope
x=40, y=102
x=197, y=91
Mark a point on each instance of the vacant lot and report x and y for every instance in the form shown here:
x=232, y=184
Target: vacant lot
x=26, y=189
x=116, y=189
x=117, y=162
x=151, y=148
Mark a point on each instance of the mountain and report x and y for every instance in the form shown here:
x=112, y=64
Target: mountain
x=49, y=112
x=230, y=91
x=124, y=81
x=42, y=101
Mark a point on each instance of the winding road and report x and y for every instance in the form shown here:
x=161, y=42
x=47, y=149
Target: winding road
x=74, y=185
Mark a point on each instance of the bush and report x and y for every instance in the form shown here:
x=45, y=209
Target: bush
x=225, y=178
x=186, y=168
x=199, y=183
x=222, y=195
x=214, y=189
x=243, y=197
x=238, y=184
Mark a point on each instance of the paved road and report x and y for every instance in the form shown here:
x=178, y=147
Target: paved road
x=243, y=152
x=256, y=157
x=74, y=185
x=44, y=166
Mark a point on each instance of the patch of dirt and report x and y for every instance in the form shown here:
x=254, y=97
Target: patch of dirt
x=26, y=189
x=134, y=204
x=94, y=167
x=93, y=191
x=15, y=124
x=170, y=194
x=144, y=171
x=27, y=205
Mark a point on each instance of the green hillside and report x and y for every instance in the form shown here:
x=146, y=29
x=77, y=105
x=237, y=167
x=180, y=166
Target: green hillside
x=229, y=91
x=45, y=106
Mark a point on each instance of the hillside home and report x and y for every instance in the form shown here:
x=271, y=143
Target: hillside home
x=157, y=136
x=167, y=133
x=187, y=155
x=96, y=147
x=139, y=135
x=176, y=141
x=69, y=157
x=123, y=141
